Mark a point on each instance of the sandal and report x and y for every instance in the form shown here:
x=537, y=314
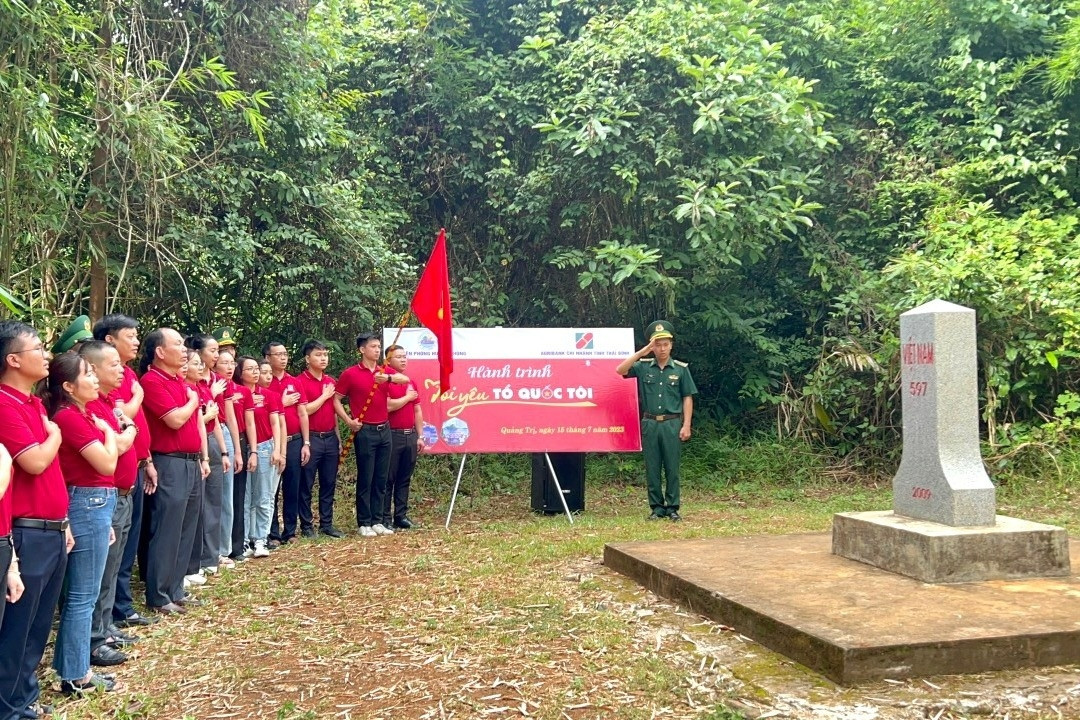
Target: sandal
x=84, y=688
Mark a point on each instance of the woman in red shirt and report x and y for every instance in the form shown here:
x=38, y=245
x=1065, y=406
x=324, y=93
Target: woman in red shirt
x=235, y=482
x=88, y=454
x=261, y=413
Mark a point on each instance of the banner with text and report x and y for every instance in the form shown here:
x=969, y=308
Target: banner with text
x=526, y=390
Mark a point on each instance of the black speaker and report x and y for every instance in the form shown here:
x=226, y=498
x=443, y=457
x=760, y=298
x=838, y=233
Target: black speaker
x=570, y=468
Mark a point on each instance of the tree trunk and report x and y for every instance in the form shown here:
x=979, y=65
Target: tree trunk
x=99, y=176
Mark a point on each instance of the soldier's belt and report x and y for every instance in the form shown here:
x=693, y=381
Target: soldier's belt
x=660, y=418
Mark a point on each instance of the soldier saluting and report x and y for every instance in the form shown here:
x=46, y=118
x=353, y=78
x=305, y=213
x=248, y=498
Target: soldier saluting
x=666, y=396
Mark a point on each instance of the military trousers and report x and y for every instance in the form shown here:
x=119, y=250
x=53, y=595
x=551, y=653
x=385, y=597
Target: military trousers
x=663, y=449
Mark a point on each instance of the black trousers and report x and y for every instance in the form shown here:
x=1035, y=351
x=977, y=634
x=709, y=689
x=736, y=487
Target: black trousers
x=26, y=625
x=239, y=525
x=173, y=517
x=324, y=460
x=124, y=603
x=403, y=454
x=288, y=495
x=372, y=467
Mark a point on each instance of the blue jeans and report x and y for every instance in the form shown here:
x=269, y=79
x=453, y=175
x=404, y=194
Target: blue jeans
x=90, y=512
x=259, y=498
x=225, y=541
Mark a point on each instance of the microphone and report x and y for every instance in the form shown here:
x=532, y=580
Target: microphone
x=121, y=418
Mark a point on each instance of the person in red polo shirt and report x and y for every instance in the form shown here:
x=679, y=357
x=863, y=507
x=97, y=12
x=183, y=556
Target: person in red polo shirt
x=178, y=446
x=12, y=587
x=262, y=413
x=105, y=637
x=363, y=387
x=89, y=451
x=407, y=440
x=39, y=505
x=212, y=389
x=234, y=532
x=325, y=445
x=297, y=441
x=122, y=332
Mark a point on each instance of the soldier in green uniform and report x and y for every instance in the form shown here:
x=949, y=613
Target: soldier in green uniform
x=77, y=332
x=666, y=394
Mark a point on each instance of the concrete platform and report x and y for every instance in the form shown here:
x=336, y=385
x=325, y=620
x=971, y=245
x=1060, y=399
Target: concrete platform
x=853, y=622
x=1009, y=549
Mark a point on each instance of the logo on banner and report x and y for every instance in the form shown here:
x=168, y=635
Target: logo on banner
x=427, y=341
x=583, y=340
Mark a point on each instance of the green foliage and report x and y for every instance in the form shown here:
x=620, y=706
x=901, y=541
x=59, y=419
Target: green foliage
x=780, y=180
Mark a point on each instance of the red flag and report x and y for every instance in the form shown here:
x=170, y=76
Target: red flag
x=431, y=303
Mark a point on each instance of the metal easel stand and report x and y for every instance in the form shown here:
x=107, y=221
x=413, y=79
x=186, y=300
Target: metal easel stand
x=457, y=484
x=551, y=469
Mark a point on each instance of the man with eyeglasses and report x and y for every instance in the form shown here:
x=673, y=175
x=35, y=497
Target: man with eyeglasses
x=297, y=445
x=39, y=504
x=318, y=386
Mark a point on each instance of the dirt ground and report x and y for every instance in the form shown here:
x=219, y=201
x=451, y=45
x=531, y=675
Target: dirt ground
x=425, y=624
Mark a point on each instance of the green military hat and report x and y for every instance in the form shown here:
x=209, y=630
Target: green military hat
x=225, y=336
x=78, y=331
x=660, y=329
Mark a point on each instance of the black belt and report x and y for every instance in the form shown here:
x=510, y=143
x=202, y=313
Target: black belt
x=124, y=493
x=323, y=435
x=404, y=431
x=58, y=525
x=660, y=418
x=294, y=436
x=377, y=426
x=5, y=540
x=181, y=455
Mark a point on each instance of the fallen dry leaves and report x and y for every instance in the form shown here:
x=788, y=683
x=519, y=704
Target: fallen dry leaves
x=503, y=617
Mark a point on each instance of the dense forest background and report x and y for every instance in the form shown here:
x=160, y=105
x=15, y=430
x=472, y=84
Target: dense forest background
x=780, y=179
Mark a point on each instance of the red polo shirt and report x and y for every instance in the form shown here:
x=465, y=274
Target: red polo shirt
x=356, y=384
x=166, y=394
x=124, y=393
x=241, y=399
x=323, y=419
x=127, y=465
x=264, y=403
x=79, y=433
x=206, y=397
x=289, y=384
x=43, y=496
x=404, y=418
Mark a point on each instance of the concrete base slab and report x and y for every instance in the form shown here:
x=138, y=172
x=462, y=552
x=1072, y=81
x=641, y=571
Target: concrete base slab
x=853, y=622
x=935, y=553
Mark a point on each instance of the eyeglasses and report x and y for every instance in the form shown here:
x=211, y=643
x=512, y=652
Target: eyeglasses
x=280, y=353
x=39, y=349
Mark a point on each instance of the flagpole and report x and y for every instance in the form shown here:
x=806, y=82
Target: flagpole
x=347, y=446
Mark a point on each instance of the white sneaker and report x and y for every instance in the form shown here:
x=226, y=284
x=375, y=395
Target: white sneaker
x=260, y=549
x=226, y=562
x=196, y=579
x=380, y=529
x=188, y=584
x=209, y=570
x=367, y=531
x=248, y=552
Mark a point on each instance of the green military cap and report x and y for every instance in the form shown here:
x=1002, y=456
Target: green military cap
x=660, y=329
x=78, y=331
x=225, y=336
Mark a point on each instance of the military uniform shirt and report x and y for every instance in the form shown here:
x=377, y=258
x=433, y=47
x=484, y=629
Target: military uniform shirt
x=661, y=390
